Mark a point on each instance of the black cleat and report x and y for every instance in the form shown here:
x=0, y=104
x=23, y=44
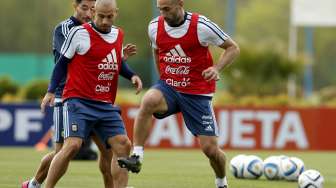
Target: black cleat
x=132, y=163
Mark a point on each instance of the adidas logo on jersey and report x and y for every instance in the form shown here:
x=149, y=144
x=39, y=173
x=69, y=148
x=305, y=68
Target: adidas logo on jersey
x=176, y=55
x=109, y=62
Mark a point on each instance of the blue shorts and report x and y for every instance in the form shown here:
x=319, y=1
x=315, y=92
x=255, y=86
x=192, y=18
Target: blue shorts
x=58, y=125
x=197, y=110
x=83, y=116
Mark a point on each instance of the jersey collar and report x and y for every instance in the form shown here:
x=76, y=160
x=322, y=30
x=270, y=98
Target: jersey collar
x=96, y=28
x=75, y=21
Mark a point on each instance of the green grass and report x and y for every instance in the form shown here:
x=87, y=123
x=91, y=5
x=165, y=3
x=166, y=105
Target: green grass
x=162, y=168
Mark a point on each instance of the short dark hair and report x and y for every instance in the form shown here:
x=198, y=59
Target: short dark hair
x=79, y=1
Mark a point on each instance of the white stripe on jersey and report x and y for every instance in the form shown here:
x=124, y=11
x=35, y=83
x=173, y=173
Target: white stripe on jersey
x=69, y=38
x=65, y=27
x=208, y=32
x=78, y=41
x=213, y=26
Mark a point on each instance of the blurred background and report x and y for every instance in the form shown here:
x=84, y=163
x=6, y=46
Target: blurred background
x=279, y=95
x=278, y=98
x=278, y=68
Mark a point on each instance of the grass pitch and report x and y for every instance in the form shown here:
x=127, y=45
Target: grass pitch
x=162, y=168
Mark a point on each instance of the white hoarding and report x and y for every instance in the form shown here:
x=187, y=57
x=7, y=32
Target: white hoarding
x=313, y=13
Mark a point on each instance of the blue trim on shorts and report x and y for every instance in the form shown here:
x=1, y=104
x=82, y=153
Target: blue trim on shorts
x=58, y=122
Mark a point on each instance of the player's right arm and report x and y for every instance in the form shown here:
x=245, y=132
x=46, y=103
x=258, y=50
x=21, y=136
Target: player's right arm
x=156, y=58
x=58, y=40
x=152, y=32
x=70, y=47
x=128, y=73
x=58, y=74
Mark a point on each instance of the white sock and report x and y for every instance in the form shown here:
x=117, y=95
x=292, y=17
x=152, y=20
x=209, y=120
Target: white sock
x=34, y=184
x=139, y=151
x=221, y=182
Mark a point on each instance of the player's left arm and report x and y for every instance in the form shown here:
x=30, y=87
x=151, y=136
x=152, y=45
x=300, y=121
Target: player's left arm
x=210, y=33
x=128, y=73
x=125, y=71
x=231, y=51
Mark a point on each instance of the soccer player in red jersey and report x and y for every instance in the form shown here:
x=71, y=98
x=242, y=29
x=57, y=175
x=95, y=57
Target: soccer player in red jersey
x=82, y=14
x=188, y=76
x=92, y=59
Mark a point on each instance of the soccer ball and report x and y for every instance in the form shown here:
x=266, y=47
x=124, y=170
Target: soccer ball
x=272, y=168
x=282, y=157
x=291, y=168
x=311, y=179
x=253, y=167
x=237, y=166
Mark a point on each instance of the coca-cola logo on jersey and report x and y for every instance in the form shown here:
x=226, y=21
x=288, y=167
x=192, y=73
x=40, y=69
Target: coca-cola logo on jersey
x=181, y=70
x=106, y=76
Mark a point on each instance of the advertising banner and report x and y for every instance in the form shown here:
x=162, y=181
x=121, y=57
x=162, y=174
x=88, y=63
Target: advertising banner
x=23, y=124
x=239, y=128
x=250, y=128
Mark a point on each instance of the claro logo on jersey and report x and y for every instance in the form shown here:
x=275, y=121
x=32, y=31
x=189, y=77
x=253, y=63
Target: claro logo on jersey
x=103, y=89
x=109, y=62
x=176, y=55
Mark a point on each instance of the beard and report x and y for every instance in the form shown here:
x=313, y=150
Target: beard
x=174, y=21
x=175, y=17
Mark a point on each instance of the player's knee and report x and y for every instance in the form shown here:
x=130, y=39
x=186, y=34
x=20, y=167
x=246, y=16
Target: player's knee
x=150, y=102
x=210, y=150
x=48, y=157
x=58, y=147
x=124, y=145
x=71, y=149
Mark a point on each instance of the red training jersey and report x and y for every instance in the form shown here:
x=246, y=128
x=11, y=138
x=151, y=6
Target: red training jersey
x=94, y=75
x=182, y=60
